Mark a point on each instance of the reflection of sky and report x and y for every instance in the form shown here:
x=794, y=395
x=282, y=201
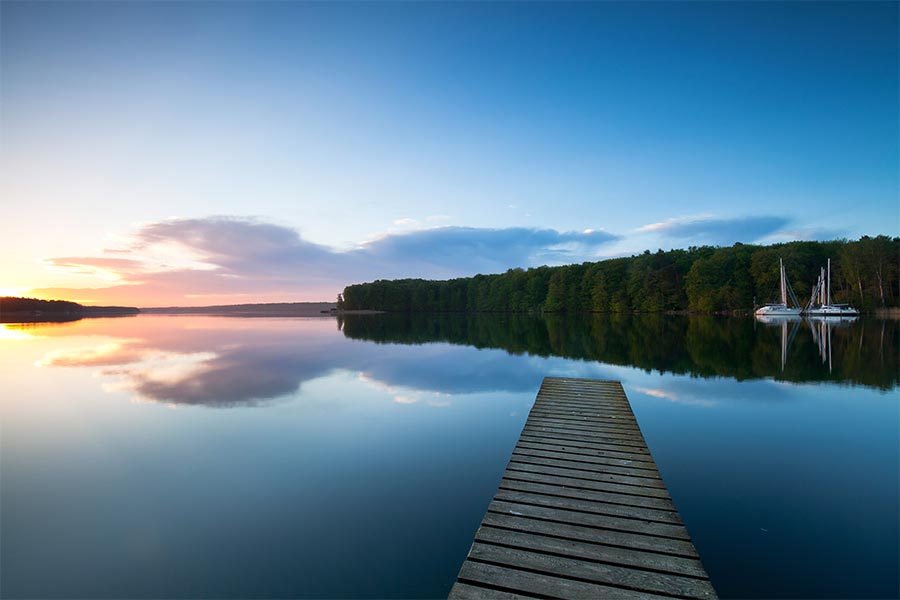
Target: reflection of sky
x=180, y=361
x=402, y=446
x=189, y=361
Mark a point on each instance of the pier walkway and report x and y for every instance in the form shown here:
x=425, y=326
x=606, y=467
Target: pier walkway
x=581, y=511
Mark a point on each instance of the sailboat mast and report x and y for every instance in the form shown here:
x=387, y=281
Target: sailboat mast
x=829, y=281
x=783, y=289
x=821, y=286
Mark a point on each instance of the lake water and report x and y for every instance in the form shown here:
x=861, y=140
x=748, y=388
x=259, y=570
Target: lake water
x=162, y=456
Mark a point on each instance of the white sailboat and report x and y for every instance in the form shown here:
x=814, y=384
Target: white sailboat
x=781, y=309
x=822, y=293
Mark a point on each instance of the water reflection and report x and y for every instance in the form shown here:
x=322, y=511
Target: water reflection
x=787, y=333
x=220, y=362
x=864, y=352
x=198, y=361
x=348, y=450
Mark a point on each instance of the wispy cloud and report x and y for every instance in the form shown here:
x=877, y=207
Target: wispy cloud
x=222, y=259
x=805, y=233
x=453, y=251
x=705, y=229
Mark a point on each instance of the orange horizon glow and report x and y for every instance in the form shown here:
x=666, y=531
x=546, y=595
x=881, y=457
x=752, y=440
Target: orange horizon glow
x=119, y=297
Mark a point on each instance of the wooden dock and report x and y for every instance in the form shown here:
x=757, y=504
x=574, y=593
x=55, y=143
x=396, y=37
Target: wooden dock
x=581, y=511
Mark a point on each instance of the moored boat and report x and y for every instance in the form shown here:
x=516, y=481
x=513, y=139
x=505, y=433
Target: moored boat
x=782, y=309
x=822, y=293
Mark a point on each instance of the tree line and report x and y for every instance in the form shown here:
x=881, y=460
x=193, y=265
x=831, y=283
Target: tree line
x=864, y=273
x=14, y=310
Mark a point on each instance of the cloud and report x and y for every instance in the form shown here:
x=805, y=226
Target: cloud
x=225, y=259
x=445, y=249
x=705, y=229
x=806, y=233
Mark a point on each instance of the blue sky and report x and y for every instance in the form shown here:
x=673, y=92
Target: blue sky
x=344, y=142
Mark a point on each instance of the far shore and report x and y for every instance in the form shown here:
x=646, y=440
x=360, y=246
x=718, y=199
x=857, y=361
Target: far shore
x=279, y=309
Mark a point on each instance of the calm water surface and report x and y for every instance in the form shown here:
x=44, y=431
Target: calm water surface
x=164, y=456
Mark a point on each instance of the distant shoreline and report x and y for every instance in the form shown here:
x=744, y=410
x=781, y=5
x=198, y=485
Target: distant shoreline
x=33, y=310
x=277, y=309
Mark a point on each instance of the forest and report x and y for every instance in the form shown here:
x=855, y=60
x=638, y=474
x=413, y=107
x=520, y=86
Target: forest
x=17, y=310
x=864, y=273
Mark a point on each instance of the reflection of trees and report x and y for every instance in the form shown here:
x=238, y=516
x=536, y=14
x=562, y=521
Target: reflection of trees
x=708, y=346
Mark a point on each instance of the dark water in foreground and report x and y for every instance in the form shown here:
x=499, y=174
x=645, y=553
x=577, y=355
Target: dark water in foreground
x=216, y=457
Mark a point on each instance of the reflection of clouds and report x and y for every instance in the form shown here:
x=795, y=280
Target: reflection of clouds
x=658, y=393
x=213, y=362
x=402, y=395
x=238, y=375
x=223, y=362
x=671, y=396
x=112, y=353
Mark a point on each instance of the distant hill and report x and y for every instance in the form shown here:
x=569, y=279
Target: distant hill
x=26, y=310
x=279, y=309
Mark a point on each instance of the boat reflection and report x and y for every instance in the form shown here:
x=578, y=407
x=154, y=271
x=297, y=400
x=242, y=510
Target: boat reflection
x=789, y=325
x=820, y=326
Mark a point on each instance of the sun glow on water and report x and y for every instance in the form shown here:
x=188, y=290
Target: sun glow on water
x=14, y=332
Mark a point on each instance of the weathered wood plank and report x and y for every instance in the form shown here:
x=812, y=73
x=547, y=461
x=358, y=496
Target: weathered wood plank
x=611, y=431
x=593, y=470
x=638, y=462
x=615, y=417
x=656, y=504
x=560, y=401
x=581, y=511
x=543, y=586
x=611, y=537
x=584, y=443
x=588, y=506
x=617, y=440
x=621, y=494
x=585, y=543
x=625, y=485
x=623, y=418
x=610, y=420
x=615, y=407
x=552, y=564
x=526, y=457
x=623, y=467
x=465, y=591
x=549, y=513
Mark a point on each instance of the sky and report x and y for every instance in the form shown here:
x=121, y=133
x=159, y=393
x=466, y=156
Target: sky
x=194, y=153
